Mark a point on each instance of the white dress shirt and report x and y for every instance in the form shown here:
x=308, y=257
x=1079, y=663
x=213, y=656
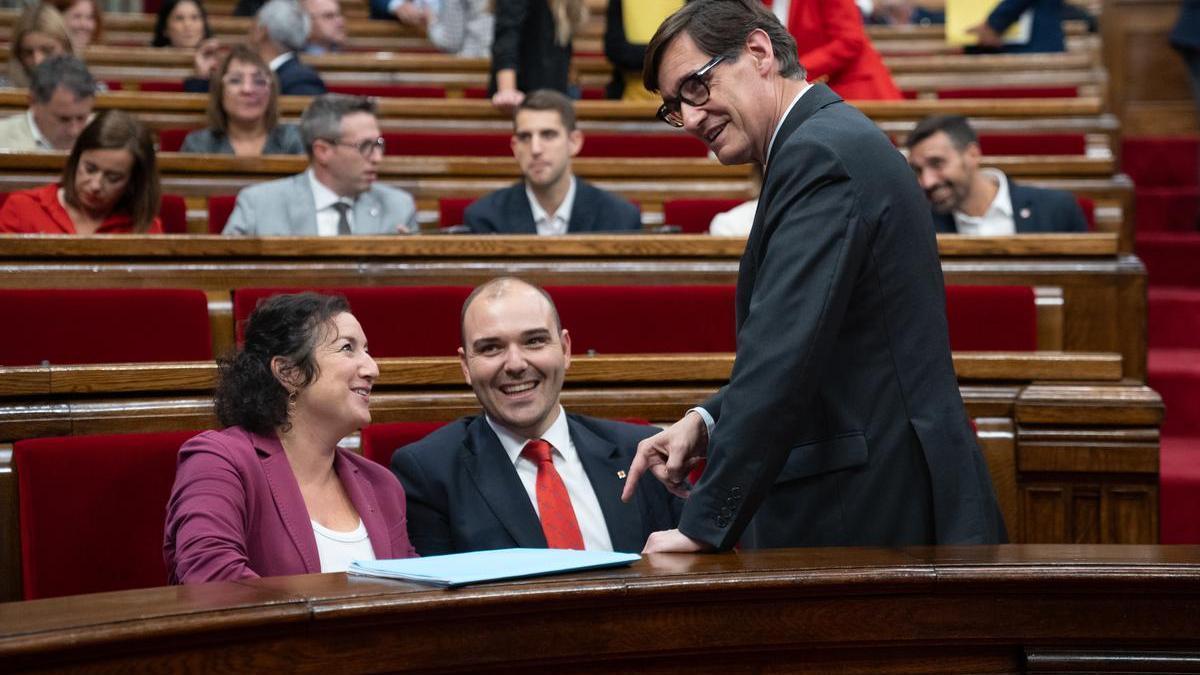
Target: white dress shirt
x=998, y=219
x=337, y=550
x=560, y=221
x=570, y=468
x=39, y=138
x=280, y=60
x=779, y=126
x=323, y=201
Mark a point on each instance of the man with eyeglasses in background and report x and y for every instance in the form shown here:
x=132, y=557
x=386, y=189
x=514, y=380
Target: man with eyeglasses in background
x=842, y=422
x=338, y=193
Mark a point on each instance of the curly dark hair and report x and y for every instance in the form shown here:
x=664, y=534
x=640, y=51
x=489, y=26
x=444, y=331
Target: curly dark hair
x=248, y=394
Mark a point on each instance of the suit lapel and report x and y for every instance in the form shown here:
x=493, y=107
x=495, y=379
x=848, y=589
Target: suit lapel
x=605, y=470
x=367, y=214
x=496, y=478
x=301, y=209
x=519, y=213
x=362, y=495
x=583, y=211
x=285, y=491
x=1022, y=208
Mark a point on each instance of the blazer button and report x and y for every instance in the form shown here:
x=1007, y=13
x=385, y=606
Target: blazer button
x=722, y=521
x=735, y=492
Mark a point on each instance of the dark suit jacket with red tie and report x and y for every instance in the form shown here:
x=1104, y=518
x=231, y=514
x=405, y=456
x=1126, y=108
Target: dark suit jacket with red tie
x=464, y=494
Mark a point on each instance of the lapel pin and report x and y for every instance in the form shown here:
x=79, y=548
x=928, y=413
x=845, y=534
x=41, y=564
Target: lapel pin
x=374, y=212
x=1025, y=213
x=620, y=474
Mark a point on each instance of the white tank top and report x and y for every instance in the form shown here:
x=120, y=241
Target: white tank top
x=338, y=549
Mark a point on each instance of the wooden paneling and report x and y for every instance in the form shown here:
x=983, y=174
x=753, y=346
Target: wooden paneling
x=1148, y=80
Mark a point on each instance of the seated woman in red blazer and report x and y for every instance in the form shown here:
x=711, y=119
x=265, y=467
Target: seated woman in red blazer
x=833, y=45
x=109, y=185
x=272, y=493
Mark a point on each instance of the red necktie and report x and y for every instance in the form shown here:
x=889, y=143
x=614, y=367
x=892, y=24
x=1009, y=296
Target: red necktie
x=554, y=505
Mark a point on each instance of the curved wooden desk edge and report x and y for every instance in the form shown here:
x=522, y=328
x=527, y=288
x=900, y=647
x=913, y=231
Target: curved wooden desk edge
x=893, y=607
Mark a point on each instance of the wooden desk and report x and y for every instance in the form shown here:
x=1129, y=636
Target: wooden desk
x=927, y=610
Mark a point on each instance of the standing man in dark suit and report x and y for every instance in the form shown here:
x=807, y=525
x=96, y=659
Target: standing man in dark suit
x=1185, y=37
x=842, y=423
x=478, y=483
x=550, y=200
x=1045, y=30
x=944, y=152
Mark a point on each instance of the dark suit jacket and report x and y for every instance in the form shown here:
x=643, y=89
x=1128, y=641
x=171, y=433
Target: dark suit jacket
x=842, y=423
x=1034, y=210
x=1186, y=33
x=1046, y=34
x=524, y=41
x=295, y=79
x=464, y=494
x=508, y=211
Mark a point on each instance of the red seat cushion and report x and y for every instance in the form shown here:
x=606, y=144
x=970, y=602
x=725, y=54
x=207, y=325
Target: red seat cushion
x=694, y=215
x=389, y=90
x=220, y=207
x=164, y=85
x=1089, y=211
x=1161, y=161
x=642, y=145
x=173, y=212
x=1179, y=490
x=1032, y=144
x=483, y=144
x=647, y=319
x=92, y=510
x=105, y=326
x=992, y=318
x=398, y=320
x=171, y=140
x=1009, y=92
x=451, y=210
x=379, y=441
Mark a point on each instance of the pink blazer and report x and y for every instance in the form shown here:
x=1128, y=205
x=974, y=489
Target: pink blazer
x=236, y=510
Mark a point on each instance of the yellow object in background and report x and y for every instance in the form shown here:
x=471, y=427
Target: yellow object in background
x=964, y=14
x=642, y=17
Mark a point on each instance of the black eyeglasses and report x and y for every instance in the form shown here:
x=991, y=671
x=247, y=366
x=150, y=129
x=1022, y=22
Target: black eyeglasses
x=692, y=91
x=364, y=148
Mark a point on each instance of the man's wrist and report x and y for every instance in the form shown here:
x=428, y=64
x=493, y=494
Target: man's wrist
x=706, y=419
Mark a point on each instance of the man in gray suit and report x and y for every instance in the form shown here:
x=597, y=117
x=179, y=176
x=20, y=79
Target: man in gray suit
x=338, y=193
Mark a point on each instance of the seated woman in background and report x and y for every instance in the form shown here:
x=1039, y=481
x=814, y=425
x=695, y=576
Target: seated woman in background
x=109, y=185
x=272, y=493
x=38, y=34
x=85, y=22
x=181, y=23
x=243, y=111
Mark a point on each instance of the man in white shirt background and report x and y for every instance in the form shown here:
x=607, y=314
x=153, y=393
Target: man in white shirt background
x=61, y=95
x=966, y=198
x=524, y=473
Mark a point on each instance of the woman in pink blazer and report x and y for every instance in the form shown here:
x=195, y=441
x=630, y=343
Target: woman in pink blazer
x=272, y=494
x=833, y=44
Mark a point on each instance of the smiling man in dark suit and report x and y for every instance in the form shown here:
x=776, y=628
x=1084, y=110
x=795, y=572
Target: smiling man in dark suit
x=550, y=200
x=525, y=473
x=842, y=422
x=966, y=198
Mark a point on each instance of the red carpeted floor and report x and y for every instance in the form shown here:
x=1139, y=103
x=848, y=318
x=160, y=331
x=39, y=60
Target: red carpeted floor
x=1166, y=173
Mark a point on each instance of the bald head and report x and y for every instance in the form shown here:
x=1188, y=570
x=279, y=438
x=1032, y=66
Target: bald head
x=501, y=286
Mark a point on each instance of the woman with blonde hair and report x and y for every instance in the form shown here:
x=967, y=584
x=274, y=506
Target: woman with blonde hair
x=40, y=32
x=243, y=111
x=532, y=47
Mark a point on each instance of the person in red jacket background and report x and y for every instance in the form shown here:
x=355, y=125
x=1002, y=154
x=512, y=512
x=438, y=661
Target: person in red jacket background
x=834, y=48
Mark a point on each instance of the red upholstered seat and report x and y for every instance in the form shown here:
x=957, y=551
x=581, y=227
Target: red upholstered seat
x=92, y=510
x=171, y=140
x=219, y=209
x=642, y=145
x=379, y=441
x=389, y=90
x=104, y=326
x=398, y=320
x=1032, y=144
x=1088, y=206
x=164, y=85
x=451, y=210
x=467, y=144
x=992, y=318
x=1009, y=92
x=694, y=215
x=3, y=198
x=173, y=212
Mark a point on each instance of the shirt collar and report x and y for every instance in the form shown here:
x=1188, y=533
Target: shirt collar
x=1001, y=204
x=278, y=61
x=564, y=209
x=39, y=139
x=787, y=112
x=323, y=197
x=558, y=435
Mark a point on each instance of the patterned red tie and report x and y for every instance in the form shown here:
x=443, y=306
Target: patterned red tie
x=554, y=505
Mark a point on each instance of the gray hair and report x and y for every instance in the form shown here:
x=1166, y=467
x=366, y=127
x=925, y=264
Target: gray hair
x=322, y=119
x=63, y=71
x=286, y=23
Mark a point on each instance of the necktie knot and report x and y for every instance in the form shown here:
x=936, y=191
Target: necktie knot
x=538, y=450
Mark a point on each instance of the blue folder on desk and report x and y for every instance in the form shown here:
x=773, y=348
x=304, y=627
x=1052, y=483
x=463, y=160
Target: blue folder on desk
x=460, y=569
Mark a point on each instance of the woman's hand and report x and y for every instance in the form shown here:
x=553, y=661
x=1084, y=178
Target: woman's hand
x=208, y=56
